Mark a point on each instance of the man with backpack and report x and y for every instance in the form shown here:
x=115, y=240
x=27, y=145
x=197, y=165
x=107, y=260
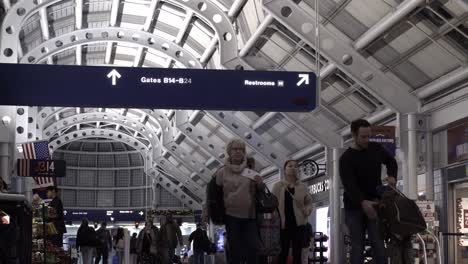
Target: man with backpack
x=360, y=169
x=200, y=244
x=105, y=244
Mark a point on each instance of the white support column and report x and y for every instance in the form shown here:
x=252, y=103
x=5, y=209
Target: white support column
x=429, y=165
x=335, y=248
x=412, y=157
x=4, y=161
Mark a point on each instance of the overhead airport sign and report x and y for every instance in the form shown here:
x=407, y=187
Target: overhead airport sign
x=104, y=215
x=125, y=87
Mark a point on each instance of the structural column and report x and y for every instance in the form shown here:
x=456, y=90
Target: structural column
x=335, y=248
x=429, y=166
x=4, y=160
x=412, y=190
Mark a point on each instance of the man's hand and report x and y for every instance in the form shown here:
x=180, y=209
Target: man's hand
x=368, y=207
x=258, y=180
x=391, y=181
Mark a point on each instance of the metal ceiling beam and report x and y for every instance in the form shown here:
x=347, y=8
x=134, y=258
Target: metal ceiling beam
x=114, y=13
x=146, y=40
x=263, y=120
x=249, y=136
x=137, y=62
x=236, y=8
x=343, y=55
x=149, y=18
x=210, y=50
x=6, y=4
x=108, y=56
x=442, y=83
x=328, y=70
x=44, y=27
x=188, y=126
x=376, y=117
x=212, y=14
x=307, y=151
x=391, y=19
x=184, y=27
x=330, y=138
x=184, y=179
x=177, y=192
x=256, y=35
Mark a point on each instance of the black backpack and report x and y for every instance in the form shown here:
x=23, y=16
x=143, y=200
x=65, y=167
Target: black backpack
x=400, y=215
x=215, y=202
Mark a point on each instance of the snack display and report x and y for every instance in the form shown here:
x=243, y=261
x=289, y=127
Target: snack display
x=44, y=252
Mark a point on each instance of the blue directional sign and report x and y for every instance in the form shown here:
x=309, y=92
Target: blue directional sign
x=124, y=87
x=105, y=215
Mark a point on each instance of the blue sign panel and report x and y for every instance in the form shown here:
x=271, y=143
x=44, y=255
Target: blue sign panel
x=87, y=86
x=105, y=215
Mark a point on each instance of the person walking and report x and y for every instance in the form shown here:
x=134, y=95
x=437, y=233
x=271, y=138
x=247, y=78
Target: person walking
x=86, y=241
x=200, y=244
x=360, y=168
x=295, y=206
x=105, y=244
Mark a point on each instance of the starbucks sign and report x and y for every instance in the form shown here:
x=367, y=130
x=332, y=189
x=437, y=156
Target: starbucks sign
x=321, y=186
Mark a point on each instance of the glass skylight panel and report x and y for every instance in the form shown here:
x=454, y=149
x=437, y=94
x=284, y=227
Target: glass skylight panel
x=169, y=18
x=163, y=34
x=410, y=38
x=192, y=51
x=200, y=35
x=369, y=12
x=97, y=5
x=425, y=59
x=131, y=25
x=123, y=63
x=133, y=8
x=150, y=56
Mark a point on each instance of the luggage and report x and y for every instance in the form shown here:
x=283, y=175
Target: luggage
x=400, y=215
x=269, y=229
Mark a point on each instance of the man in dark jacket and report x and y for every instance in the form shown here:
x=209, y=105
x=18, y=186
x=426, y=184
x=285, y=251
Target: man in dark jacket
x=171, y=236
x=360, y=171
x=200, y=243
x=58, y=219
x=105, y=243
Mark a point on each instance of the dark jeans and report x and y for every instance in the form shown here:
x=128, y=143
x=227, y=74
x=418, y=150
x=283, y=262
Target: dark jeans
x=357, y=223
x=198, y=257
x=292, y=237
x=104, y=252
x=242, y=238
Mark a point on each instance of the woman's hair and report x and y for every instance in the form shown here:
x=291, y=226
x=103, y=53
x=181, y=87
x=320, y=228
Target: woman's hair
x=286, y=164
x=84, y=222
x=232, y=142
x=120, y=234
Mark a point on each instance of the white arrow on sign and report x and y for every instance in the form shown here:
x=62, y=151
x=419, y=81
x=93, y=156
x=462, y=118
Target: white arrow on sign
x=141, y=213
x=303, y=78
x=114, y=75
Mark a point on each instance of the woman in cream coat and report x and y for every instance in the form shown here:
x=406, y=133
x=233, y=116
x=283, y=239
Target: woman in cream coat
x=295, y=206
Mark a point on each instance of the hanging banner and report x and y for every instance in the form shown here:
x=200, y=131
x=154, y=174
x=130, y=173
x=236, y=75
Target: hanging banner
x=384, y=135
x=457, y=143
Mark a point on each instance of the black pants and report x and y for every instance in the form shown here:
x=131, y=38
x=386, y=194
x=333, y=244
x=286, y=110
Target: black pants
x=291, y=237
x=104, y=252
x=242, y=239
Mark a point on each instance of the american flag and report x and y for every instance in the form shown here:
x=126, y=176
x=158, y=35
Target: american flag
x=38, y=150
